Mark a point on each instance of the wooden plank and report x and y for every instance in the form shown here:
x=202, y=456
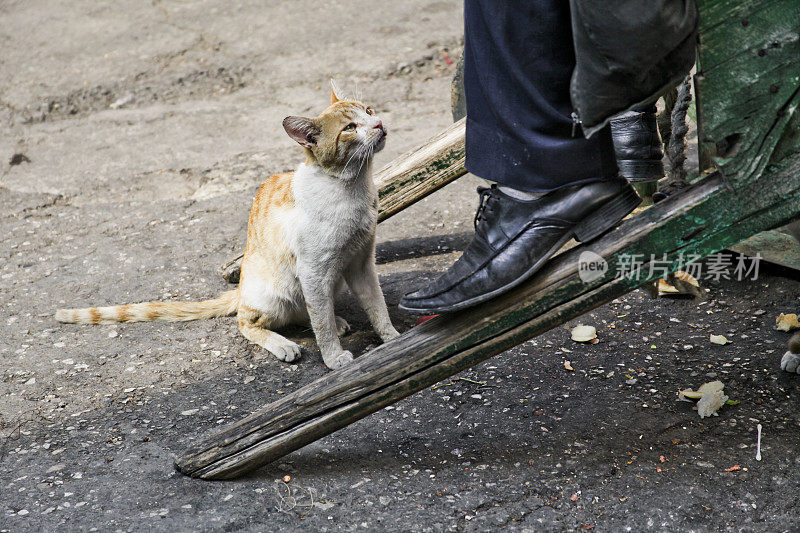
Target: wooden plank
x=702, y=220
x=419, y=172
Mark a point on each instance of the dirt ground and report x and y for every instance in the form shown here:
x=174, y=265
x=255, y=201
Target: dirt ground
x=133, y=136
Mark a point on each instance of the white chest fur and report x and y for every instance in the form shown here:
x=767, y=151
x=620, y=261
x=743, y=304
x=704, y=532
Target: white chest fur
x=334, y=218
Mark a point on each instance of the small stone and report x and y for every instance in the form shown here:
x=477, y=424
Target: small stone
x=190, y=412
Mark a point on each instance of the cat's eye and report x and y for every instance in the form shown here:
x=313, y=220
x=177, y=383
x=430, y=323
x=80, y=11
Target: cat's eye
x=350, y=127
x=370, y=111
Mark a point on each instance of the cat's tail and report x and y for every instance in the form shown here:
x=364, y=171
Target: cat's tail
x=224, y=305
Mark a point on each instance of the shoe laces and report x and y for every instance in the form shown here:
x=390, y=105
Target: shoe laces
x=487, y=195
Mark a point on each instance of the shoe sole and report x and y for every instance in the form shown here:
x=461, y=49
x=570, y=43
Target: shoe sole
x=604, y=219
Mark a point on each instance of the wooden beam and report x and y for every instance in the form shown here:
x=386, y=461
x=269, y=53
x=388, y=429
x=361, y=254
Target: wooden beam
x=421, y=171
x=701, y=220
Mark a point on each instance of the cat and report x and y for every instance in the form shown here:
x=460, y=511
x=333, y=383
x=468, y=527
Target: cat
x=309, y=232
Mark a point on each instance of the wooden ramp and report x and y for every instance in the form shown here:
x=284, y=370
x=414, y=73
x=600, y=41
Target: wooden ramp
x=750, y=131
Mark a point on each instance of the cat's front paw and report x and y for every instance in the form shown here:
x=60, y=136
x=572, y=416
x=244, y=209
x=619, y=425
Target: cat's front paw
x=790, y=362
x=389, y=334
x=339, y=360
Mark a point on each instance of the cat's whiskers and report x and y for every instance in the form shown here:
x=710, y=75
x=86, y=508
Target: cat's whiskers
x=355, y=153
x=362, y=155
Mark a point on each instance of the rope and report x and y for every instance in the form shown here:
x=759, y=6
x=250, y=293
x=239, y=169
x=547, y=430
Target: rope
x=676, y=148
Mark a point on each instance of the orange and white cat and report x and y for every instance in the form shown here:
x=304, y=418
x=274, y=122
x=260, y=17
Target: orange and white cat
x=309, y=232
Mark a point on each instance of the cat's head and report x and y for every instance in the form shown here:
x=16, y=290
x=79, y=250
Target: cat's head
x=342, y=139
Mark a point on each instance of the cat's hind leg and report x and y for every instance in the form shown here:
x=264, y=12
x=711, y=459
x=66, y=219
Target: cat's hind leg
x=253, y=324
x=342, y=327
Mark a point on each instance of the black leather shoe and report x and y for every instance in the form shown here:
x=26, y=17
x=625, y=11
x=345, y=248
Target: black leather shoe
x=514, y=238
x=637, y=146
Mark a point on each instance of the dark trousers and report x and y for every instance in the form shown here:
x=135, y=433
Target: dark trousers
x=518, y=60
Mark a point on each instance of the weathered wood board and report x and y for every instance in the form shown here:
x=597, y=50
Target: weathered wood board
x=422, y=171
x=773, y=246
x=748, y=84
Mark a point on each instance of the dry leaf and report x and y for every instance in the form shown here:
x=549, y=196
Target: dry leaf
x=705, y=388
x=686, y=277
x=666, y=288
x=787, y=322
x=718, y=339
x=692, y=394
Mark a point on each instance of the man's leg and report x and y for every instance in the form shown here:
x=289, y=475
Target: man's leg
x=518, y=61
x=520, y=134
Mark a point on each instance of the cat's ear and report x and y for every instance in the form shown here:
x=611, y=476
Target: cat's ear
x=301, y=129
x=334, y=98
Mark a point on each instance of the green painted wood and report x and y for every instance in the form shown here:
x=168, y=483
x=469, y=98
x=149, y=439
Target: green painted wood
x=748, y=82
x=773, y=246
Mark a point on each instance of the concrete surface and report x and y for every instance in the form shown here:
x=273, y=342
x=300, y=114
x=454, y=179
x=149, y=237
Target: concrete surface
x=139, y=132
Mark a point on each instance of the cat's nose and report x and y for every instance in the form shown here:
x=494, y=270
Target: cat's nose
x=379, y=125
